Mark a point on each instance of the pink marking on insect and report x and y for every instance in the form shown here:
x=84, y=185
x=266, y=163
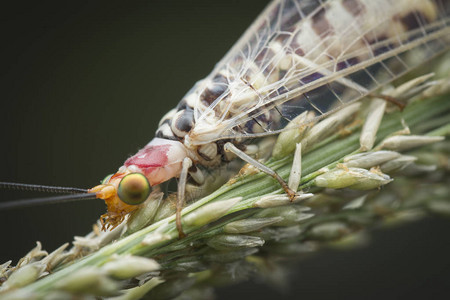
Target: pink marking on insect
x=160, y=160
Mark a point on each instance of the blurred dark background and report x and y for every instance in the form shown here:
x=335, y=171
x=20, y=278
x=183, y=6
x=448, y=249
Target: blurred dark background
x=83, y=86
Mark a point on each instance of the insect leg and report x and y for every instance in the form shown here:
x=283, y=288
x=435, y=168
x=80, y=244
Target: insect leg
x=187, y=163
x=233, y=149
x=196, y=174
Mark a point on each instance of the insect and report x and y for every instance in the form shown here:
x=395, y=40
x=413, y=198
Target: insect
x=298, y=55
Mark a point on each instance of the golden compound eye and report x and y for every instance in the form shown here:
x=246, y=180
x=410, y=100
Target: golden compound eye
x=133, y=189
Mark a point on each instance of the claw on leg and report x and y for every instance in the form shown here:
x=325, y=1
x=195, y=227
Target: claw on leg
x=392, y=100
x=181, y=234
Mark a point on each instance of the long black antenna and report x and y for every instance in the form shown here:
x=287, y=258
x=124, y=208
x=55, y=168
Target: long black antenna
x=77, y=194
x=40, y=188
x=46, y=200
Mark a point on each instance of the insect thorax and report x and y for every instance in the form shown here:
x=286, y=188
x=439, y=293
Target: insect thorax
x=179, y=124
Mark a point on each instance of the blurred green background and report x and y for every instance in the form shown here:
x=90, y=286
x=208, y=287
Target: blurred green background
x=83, y=86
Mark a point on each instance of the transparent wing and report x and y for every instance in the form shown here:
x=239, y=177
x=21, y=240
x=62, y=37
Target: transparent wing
x=314, y=55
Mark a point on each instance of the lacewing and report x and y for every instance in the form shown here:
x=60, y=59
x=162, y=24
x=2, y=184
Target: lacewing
x=79, y=93
x=275, y=69
x=56, y=91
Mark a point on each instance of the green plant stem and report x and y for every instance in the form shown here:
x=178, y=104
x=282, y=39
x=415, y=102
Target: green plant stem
x=251, y=187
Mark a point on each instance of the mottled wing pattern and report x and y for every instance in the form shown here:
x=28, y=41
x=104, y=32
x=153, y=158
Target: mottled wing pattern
x=313, y=55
